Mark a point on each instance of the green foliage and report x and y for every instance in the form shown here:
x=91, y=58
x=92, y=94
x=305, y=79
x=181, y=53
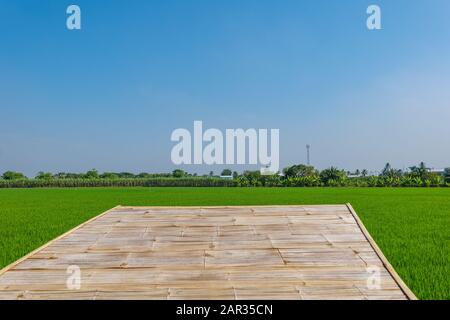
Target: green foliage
x=447, y=175
x=294, y=176
x=67, y=175
x=178, y=173
x=391, y=174
x=412, y=181
x=435, y=180
x=308, y=181
x=242, y=181
x=126, y=175
x=254, y=178
x=333, y=177
x=11, y=175
x=226, y=172
x=390, y=180
x=44, y=176
x=119, y=182
x=109, y=175
x=144, y=175
x=420, y=171
x=300, y=170
x=91, y=174
x=272, y=180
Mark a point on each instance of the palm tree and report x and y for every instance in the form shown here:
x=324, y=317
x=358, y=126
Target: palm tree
x=421, y=171
x=332, y=174
x=386, y=170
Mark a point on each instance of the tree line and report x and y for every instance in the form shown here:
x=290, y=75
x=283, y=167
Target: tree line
x=294, y=176
x=307, y=176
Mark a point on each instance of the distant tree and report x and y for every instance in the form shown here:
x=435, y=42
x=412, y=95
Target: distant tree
x=357, y=172
x=126, y=175
x=389, y=172
x=447, y=175
x=11, y=175
x=143, y=175
x=235, y=174
x=386, y=169
x=109, y=175
x=226, y=172
x=74, y=175
x=252, y=174
x=44, y=175
x=91, y=174
x=211, y=173
x=299, y=170
x=364, y=172
x=178, y=173
x=60, y=175
x=420, y=171
x=332, y=174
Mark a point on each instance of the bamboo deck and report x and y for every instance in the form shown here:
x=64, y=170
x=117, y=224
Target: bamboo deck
x=277, y=252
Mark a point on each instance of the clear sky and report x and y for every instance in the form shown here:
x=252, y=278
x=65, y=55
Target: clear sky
x=109, y=95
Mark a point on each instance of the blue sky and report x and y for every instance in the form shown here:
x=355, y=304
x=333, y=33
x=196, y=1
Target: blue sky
x=108, y=96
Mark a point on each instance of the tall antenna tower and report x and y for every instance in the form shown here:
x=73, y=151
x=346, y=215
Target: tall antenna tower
x=307, y=154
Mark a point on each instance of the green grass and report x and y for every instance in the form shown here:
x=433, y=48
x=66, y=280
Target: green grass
x=412, y=226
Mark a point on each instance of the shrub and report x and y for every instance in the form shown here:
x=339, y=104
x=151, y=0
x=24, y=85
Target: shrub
x=333, y=177
x=154, y=182
x=311, y=181
x=254, y=178
x=242, y=181
x=272, y=181
x=435, y=180
x=390, y=181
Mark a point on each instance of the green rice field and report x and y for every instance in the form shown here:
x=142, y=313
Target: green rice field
x=411, y=226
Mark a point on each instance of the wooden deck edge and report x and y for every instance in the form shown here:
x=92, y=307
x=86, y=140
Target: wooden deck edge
x=12, y=265
x=231, y=207
x=408, y=293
